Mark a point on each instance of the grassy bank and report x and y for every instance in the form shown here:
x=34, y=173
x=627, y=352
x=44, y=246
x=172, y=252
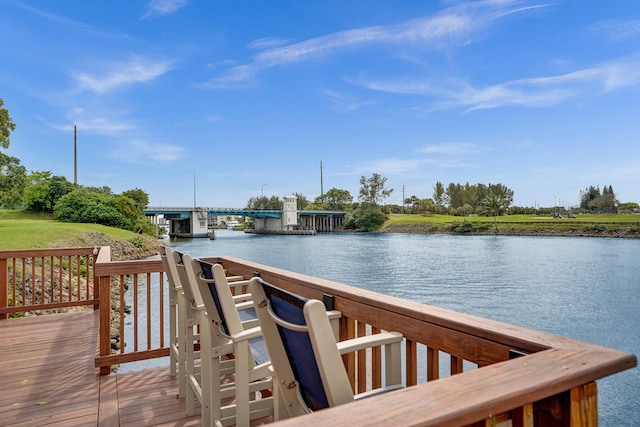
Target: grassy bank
x=27, y=230
x=592, y=225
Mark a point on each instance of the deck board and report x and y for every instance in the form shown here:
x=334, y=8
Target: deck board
x=48, y=377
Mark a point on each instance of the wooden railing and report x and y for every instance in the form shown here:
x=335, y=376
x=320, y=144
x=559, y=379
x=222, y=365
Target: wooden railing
x=466, y=370
x=47, y=279
x=145, y=278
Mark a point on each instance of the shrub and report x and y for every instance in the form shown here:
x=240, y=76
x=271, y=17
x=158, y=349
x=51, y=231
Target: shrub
x=366, y=218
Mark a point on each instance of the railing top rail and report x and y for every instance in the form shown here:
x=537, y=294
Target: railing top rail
x=479, y=394
x=401, y=311
x=26, y=253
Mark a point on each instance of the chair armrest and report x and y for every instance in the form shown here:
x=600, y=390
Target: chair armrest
x=377, y=391
x=247, y=334
x=334, y=314
x=368, y=341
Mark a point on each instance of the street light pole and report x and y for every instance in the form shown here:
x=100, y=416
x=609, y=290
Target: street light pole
x=194, y=189
x=262, y=190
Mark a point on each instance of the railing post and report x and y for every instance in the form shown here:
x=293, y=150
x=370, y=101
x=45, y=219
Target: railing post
x=105, y=320
x=4, y=287
x=104, y=292
x=96, y=282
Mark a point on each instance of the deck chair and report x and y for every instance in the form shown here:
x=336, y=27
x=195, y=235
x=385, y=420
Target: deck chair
x=177, y=321
x=193, y=307
x=223, y=334
x=305, y=356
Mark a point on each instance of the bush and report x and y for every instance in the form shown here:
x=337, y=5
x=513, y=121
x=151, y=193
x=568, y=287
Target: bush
x=367, y=218
x=88, y=207
x=461, y=226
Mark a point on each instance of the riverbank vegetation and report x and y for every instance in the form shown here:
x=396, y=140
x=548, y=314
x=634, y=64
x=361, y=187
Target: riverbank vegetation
x=593, y=225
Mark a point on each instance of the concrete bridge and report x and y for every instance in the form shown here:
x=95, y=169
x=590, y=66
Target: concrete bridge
x=195, y=222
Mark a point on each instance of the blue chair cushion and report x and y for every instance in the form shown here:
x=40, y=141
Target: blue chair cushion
x=208, y=274
x=288, y=307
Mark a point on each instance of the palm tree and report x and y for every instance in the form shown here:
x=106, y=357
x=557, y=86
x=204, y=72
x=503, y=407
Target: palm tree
x=494, y=204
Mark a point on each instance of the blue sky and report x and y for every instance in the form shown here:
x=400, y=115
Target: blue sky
x=250, y=96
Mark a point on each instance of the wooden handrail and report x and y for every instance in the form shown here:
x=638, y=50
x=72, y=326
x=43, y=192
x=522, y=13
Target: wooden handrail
x=39, y=273
x=553, y=381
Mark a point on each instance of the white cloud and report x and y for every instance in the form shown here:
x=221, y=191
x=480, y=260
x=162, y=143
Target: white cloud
x=531, y=92
x=453, y=148
x=391, y=166
x=103, y=123
x=136, y=70
x=452, y=26
x=163, y=7
x=138, y=151
x=619, y=31
x=267, y=43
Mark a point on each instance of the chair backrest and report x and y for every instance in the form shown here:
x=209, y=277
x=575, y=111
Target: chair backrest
x=166, y=255
x=287, y=320
x=187, y=279
x=216, y=295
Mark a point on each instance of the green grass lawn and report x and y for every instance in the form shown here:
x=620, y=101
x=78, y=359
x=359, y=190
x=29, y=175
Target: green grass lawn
x=614, y=225
x=401, y=219
x=26, y=230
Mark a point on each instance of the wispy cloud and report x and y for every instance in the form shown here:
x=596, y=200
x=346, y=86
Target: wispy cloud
x=138, y=151
x=135, y=70
x=163, y=7
x=267, y=43
x=453, y=148
x=618, y=31
x=452, y=26
x=531, y=92
x=104, y=123
x=345, y=103
x=67, y=23
x=389, y=166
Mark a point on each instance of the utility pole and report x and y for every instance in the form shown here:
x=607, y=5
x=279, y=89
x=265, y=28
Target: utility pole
x=403, y=209
x=321, y=185
x=75, y=157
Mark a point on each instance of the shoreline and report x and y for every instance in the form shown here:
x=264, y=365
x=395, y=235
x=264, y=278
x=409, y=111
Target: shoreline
x=624, y=233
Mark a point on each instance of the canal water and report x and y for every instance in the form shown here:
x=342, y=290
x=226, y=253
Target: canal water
x=583, y=288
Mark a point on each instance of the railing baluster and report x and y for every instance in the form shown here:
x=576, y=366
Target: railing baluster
x=411, y=362
x=456, y=365
x=135, y=312
x=43, y=281
x=70, y=277
x=121, y=309
x=376, y=363
x=148, y=288
x=33, y=281
x=433, y=364
x=347, y=331
x=161, y=305
x=361, y=358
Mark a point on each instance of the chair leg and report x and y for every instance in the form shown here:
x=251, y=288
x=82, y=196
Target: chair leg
x=242, y=384
x=190, y=370
x=207, y=375
x=182, y=346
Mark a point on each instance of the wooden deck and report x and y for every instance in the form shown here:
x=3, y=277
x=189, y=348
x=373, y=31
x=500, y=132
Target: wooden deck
x=48, y=377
